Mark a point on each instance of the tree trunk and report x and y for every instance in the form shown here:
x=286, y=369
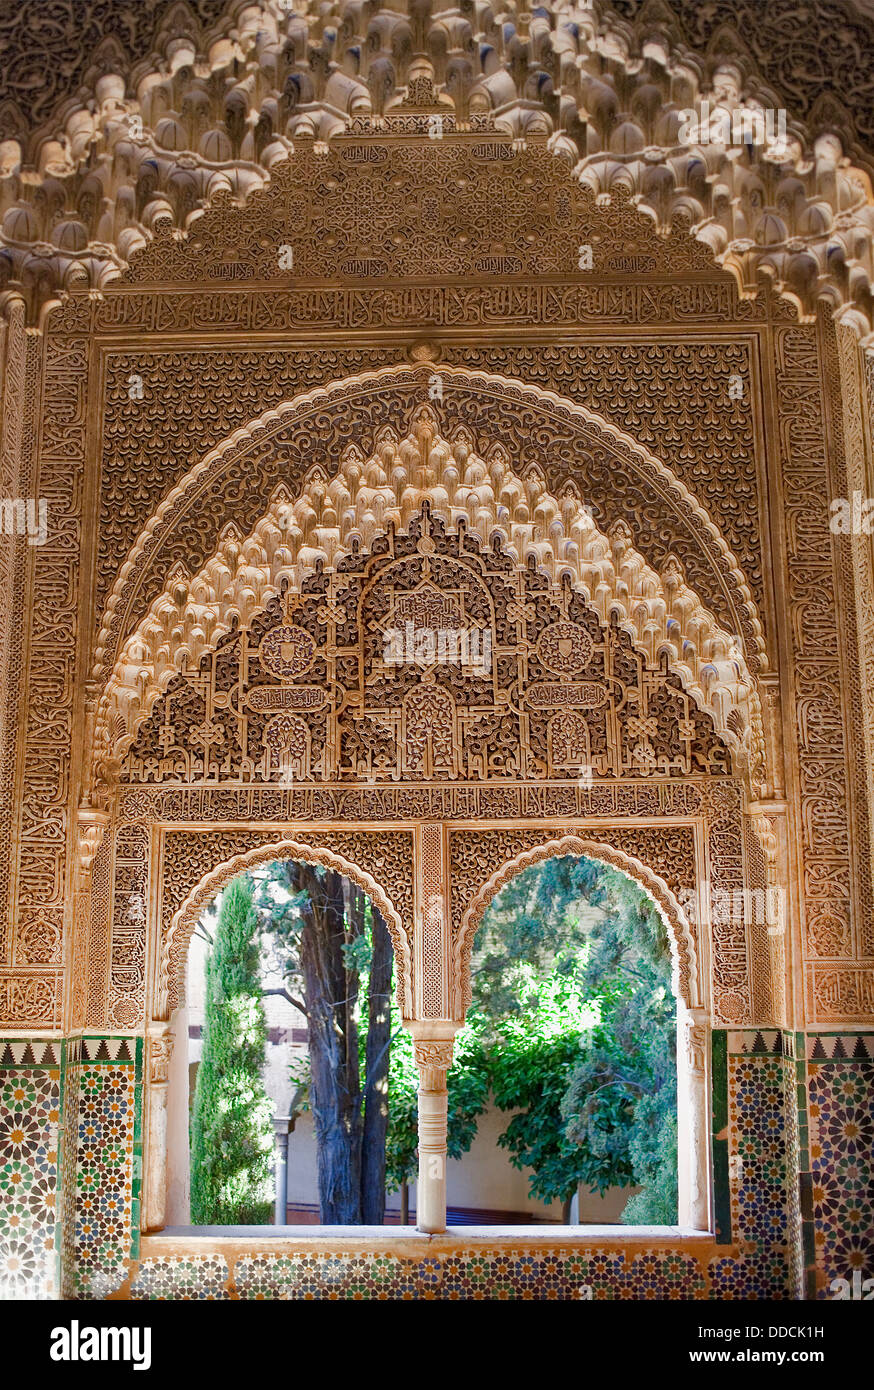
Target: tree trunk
x=377, y=1056
x=331, y=990
x=405, y=1204
x=350, y=1139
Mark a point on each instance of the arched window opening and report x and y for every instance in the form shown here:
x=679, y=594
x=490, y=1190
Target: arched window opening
x=279, y=1114
x=565, y=1075
x=294, y=1091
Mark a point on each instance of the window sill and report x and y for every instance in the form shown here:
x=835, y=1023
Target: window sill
x=197, y=1237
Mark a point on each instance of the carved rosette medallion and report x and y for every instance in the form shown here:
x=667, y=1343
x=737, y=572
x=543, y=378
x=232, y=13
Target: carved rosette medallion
x=287, y=652
x=433, y=1054
x=565, y=648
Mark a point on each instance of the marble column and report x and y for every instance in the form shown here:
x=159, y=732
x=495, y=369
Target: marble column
x=433, y=1058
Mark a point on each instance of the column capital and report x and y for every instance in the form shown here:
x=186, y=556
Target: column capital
x=159, y=1050
x=430, y=1052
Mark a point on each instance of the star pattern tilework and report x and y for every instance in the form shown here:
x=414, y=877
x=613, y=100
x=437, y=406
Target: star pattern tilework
x=29, y=1119
x=107, y=1180
x=841, y=1110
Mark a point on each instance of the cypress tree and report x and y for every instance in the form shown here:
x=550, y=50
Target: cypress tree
x=231, y=1129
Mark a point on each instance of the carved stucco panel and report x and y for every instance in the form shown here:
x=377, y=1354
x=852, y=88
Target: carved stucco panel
x=196, y=864
x=702, y=439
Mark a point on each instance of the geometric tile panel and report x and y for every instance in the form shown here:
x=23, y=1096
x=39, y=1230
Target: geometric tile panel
x=797, y=1166
x=30, y=1052
x=841, y=1109
x=462, y=1275
x=822, y=1047
x=755, y=1257
x=109, y=1164
x=68, y=1150
x=30, y=1098
x=109, y=1049
x=754, y=1077
x=757, y=1171
x=760, y=1041
x=198, y=1277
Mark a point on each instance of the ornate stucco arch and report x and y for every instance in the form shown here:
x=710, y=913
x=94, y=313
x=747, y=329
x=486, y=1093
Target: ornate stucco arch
x=465, y=479
x=604, y=95
x=174, y=941
x=162, y=244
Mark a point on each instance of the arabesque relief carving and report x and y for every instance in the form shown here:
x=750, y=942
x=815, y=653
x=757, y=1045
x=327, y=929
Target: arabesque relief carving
x=837, y=871
x=702, y=475
x=683, y=470
x=197, y=866
x=766, y=47
x=308, y=692
x=474, y=509
x=218, y=117
x=482, y=864
x=344, y=680
x=337, y=514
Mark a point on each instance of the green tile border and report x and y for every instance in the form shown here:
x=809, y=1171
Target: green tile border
x=60, y=1205
x=134, y=1057
x=137, y=1164
x=805, y=1175
x=58, y=1064
x=721, y=1190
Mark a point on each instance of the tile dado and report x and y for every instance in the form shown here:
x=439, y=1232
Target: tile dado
x=747, y=1259
x=70, y=1175
x=109, y=1163
x=70, y=1158
x=497, y=1264
x=30, y=1107
x=840, y=1092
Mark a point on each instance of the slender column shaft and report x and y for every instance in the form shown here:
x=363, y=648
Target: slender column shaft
x=433, y=1060
x=159, y=1046
x=281, y=1126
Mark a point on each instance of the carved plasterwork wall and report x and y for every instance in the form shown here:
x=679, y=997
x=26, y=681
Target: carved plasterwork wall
x=389, y=870
x=18, y=381
x=305, y=694
x=698, y=873
x=298, y=710
x=46, y=589
x=219, y=111
x=460, y=486
x=711, y=447
x=858, y=441
x=833, y=819
x=696, y=475
x=132, y=39
x=505, y=850
x=290, y=428
x=344, y=680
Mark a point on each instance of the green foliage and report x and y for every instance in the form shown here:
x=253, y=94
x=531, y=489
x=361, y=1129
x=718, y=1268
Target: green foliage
x=572, y=1001
x=571, y=1031
x=524, y=1055
x=401, y=1162
x=621, y=1101
x=279, y=910
x=653, y=1150
x=572, y=1027
x=231, y=1129
x=468, y=1087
